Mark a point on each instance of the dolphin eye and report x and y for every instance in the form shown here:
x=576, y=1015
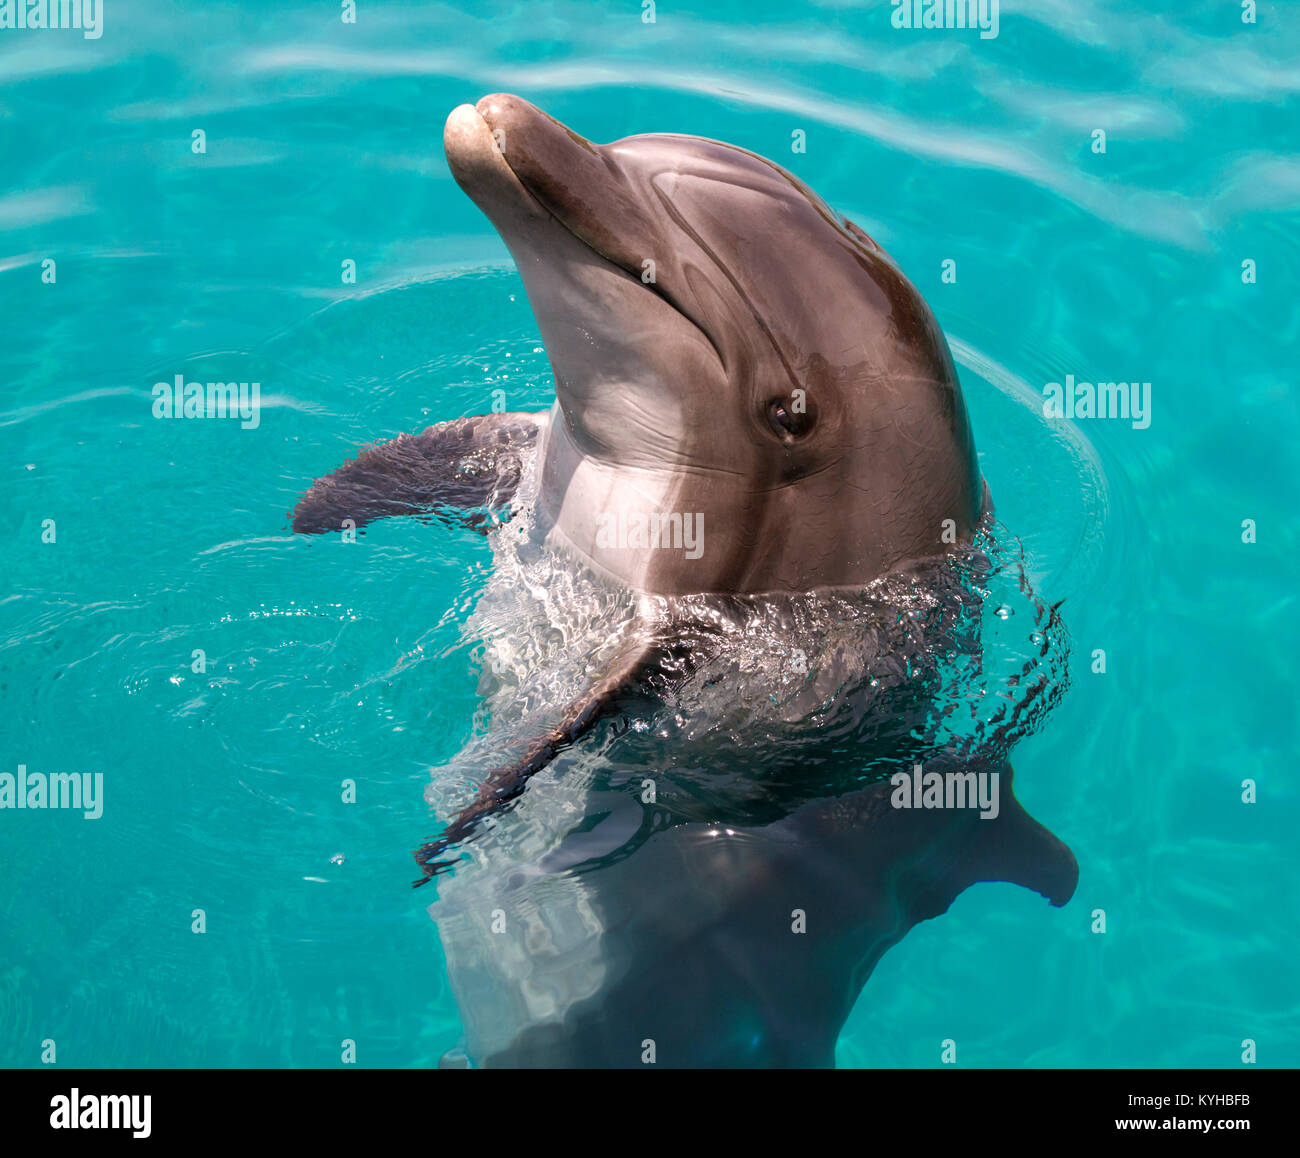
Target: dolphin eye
x=788, y=423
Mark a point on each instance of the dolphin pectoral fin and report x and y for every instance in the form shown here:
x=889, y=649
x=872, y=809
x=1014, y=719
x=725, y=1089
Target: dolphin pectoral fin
x=1015, y=848
x=632, y=670
x=467, y=466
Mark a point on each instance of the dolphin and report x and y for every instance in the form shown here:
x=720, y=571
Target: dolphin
x=757, y=524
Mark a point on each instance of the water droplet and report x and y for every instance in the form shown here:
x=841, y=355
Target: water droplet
x=1004, y=612
x=337, y=858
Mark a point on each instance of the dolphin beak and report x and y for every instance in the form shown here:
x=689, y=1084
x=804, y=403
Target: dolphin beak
x=477, y=162
x=516, y=163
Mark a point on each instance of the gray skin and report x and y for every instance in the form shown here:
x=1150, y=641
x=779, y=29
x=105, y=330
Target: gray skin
x=775, y=375
x=670, y=395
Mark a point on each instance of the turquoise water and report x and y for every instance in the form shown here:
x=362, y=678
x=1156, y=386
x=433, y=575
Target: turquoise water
x=329, y=662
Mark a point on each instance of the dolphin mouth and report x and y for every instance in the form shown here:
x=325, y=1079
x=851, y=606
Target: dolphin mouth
x=529, y=173
x=488, y=150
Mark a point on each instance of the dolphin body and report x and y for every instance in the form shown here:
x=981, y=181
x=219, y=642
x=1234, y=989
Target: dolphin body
x=758, y=530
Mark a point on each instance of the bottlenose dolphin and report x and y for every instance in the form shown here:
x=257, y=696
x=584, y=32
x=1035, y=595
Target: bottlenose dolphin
x=755, y=522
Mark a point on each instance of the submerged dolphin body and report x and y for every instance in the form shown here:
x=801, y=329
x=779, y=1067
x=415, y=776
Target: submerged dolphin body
x=754, y=522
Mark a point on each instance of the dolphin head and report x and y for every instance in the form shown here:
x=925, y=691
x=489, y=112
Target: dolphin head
x=708, y=317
